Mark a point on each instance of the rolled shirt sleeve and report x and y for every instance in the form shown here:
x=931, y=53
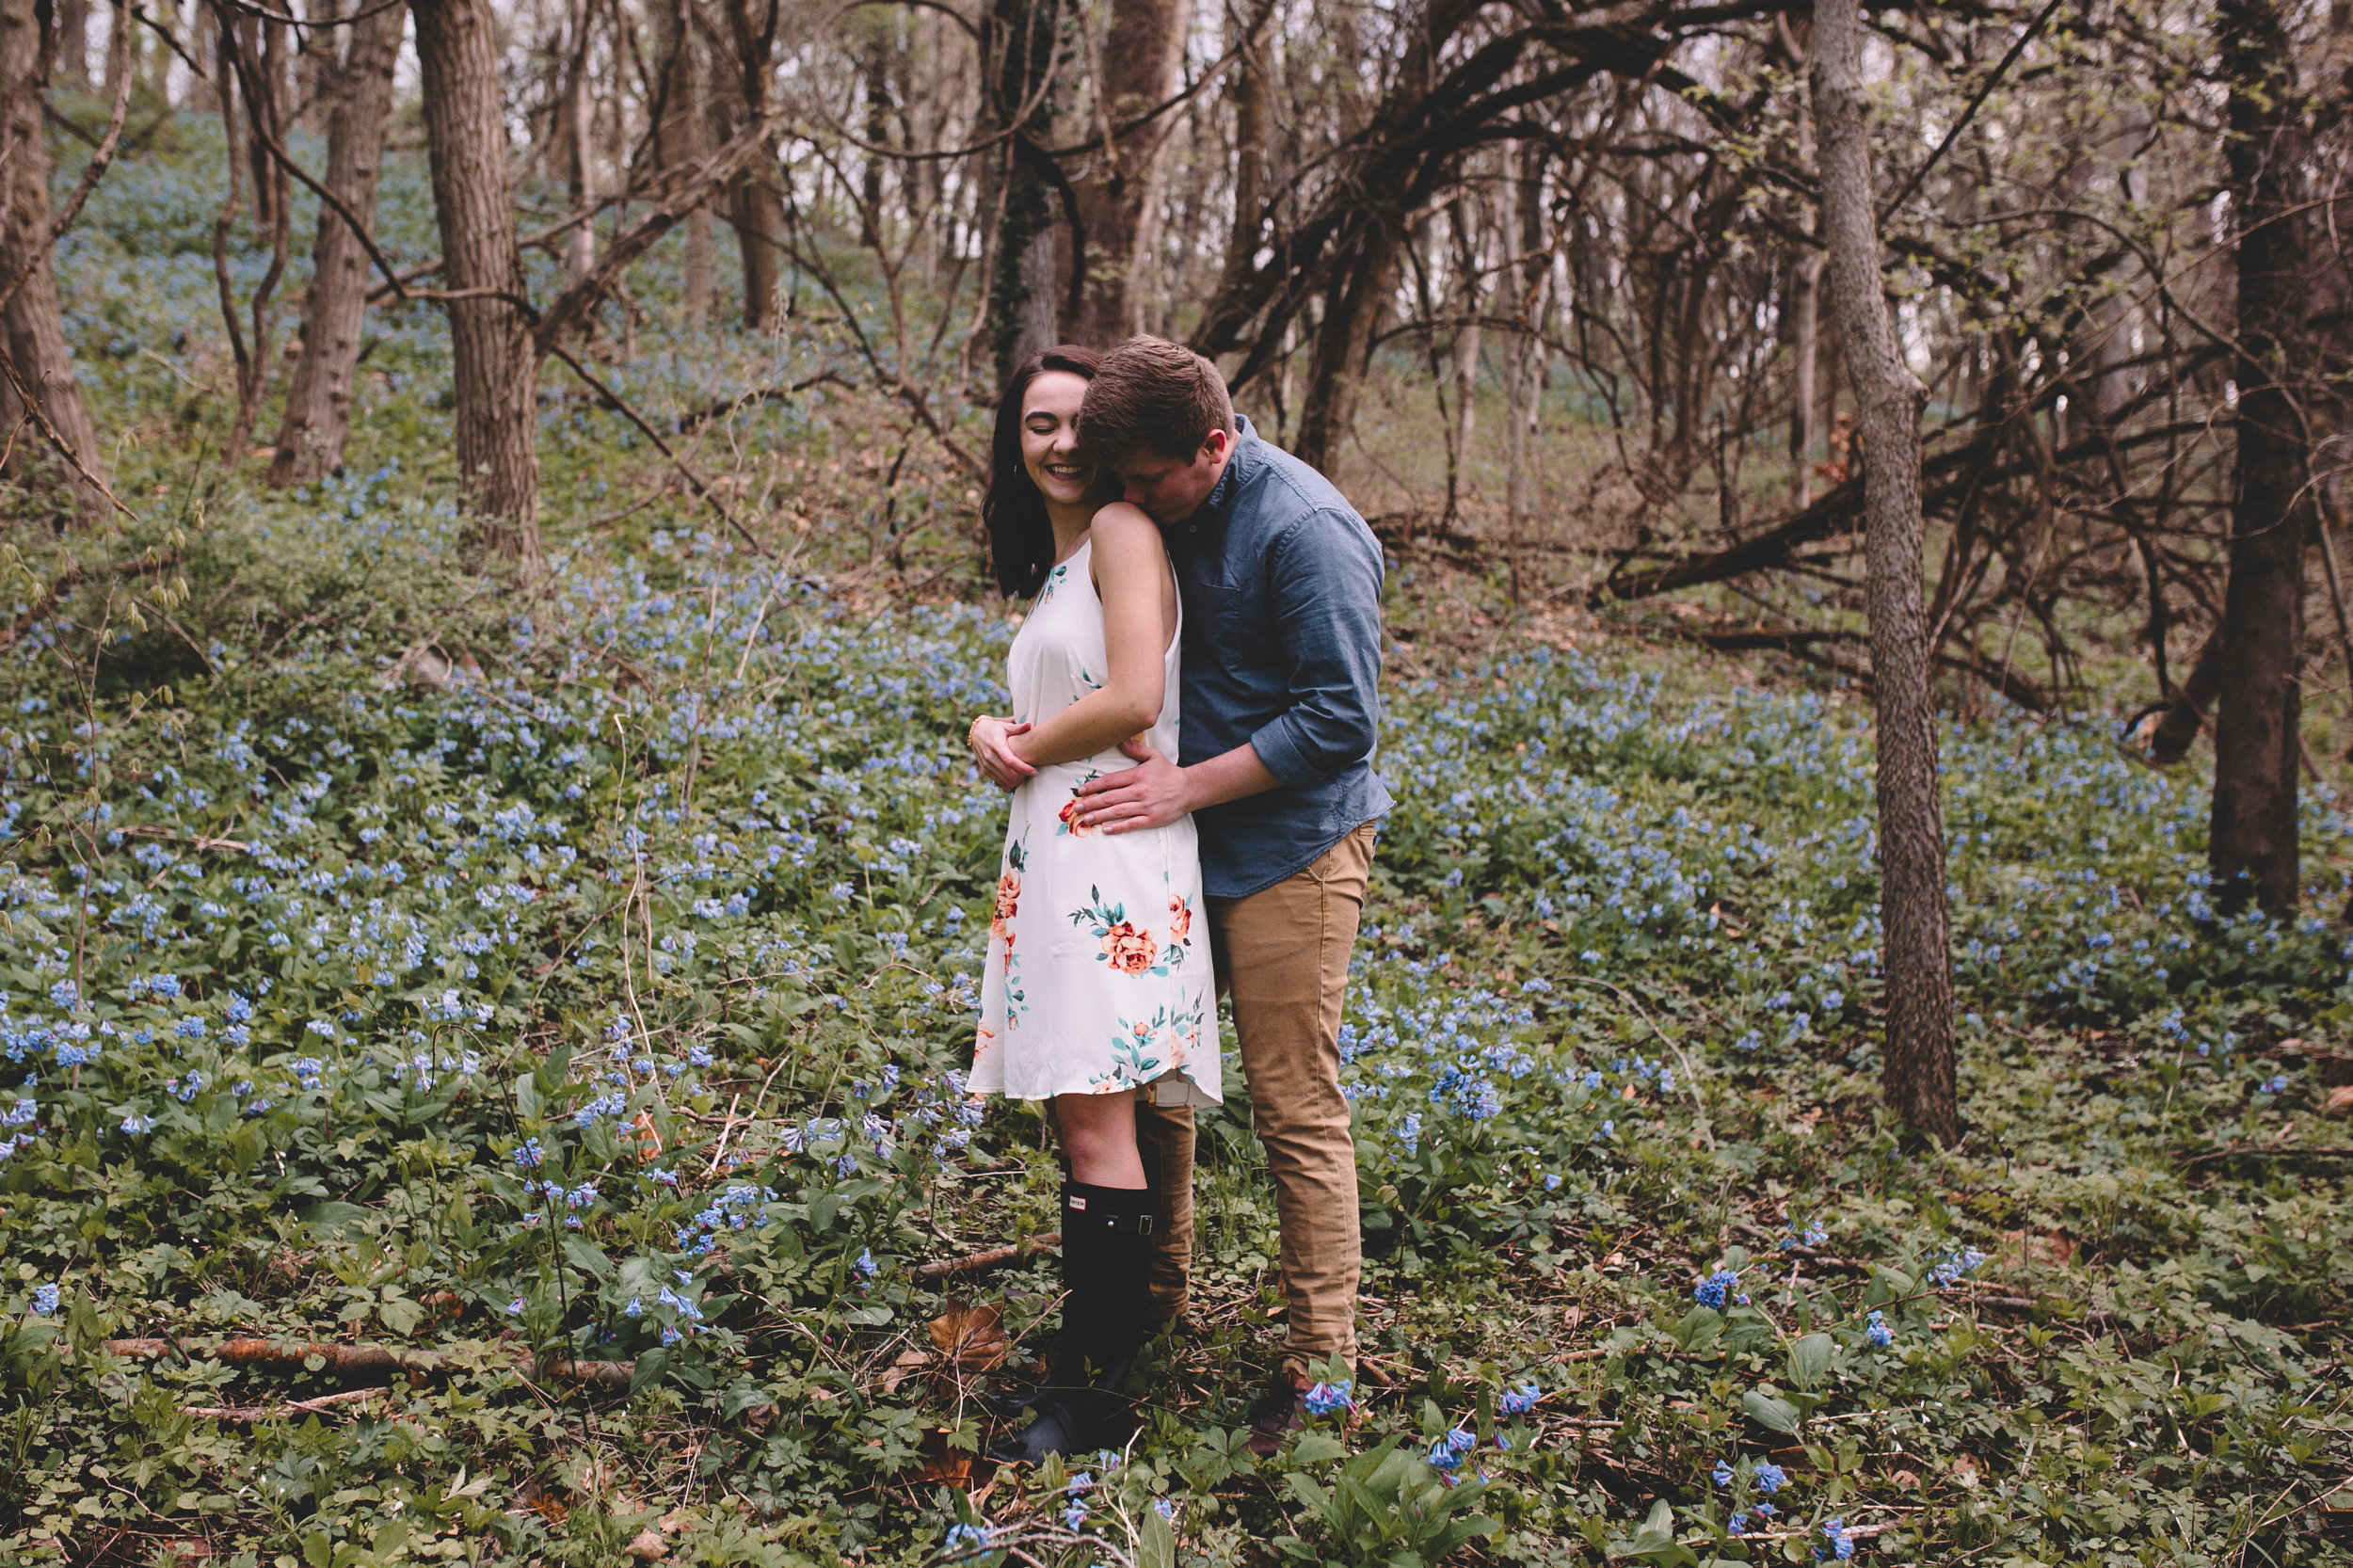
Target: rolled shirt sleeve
x=1323, y=588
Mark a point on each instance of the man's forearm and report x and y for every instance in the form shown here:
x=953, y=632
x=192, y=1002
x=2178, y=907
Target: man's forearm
x=1229, y=776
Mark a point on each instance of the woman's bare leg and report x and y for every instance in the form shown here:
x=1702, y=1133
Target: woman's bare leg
x=1098, y=1132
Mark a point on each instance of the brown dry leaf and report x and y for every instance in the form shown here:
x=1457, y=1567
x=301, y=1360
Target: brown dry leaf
x=909, y=1363
x=2341, y=1101
x=543, y=1501
x=946, y=1465
x=648, y=1547
x=972, y=1338
x=647, y=1140
x=1905, y=1478
x=2051, y=1247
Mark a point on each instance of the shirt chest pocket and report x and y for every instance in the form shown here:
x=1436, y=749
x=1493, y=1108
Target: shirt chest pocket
x=1235, y=620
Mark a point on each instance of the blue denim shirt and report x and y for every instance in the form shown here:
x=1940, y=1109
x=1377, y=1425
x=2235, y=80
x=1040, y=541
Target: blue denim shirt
x=1281, y=582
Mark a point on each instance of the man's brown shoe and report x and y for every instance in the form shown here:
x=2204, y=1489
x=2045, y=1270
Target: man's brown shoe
x=1280, y=1412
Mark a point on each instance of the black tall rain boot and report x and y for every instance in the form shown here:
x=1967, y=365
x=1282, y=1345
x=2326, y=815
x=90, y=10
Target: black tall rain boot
x=1105, y=1251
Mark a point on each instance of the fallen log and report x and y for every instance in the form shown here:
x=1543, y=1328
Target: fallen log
x=973, y=1262
x=293, y=1355
x=251, y=1412
x=247, y=1351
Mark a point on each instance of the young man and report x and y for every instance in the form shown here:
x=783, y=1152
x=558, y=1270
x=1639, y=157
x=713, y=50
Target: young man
x=1281, y=584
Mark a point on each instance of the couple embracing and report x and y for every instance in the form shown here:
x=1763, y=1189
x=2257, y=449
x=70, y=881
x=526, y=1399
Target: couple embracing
x=1180, y=569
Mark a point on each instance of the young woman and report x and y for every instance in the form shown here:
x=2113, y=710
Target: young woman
x=1098, y=987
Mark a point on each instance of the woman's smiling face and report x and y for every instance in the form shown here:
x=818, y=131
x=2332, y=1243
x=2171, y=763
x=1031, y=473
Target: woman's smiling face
x=1050, y=437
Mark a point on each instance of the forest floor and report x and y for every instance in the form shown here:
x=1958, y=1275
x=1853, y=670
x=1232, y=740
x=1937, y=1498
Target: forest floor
x=487, y=1057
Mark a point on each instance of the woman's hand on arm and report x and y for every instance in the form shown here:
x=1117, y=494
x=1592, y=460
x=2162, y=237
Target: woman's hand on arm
x=991, y=740
x=1137, y=588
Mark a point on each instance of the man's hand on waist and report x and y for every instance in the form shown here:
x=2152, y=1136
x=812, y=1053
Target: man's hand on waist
x=1157, y=791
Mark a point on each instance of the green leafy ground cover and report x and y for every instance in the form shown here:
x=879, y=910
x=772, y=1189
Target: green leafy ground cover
x=593, y=990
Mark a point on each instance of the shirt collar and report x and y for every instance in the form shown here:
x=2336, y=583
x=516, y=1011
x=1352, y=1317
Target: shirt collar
x=1245, y=456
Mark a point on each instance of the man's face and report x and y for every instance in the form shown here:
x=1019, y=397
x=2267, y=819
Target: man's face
x=1170, y=489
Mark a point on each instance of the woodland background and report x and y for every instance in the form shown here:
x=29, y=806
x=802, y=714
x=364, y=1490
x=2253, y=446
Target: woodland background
x=493, y=895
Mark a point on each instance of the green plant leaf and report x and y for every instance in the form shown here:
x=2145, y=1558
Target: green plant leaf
x=1157, y=1547
x=1809, y=1359
x=1772, y=1414
x=1315, y=1447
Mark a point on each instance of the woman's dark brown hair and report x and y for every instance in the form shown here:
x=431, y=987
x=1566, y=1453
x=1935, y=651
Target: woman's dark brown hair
x=1020, y=536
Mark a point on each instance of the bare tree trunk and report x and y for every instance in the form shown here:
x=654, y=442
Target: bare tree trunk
x=877, y=71
x=2180, y=720
x=497, y=369
x=2257, y=739
x=1359, y=292
x=1470, y=300
x=36, y=346
x=1918, y=1062
x=260, y=82
x=1144, y=56
x=756, y=206
x=1343, y=342
x=168, y=13
x=247, y=75
x=1522, y=222
x=578, y=139
x=1805, y=323
x=318, y=401
x=680, y=137
x=73, y=44
x=1250, y=138
x=1022, y=46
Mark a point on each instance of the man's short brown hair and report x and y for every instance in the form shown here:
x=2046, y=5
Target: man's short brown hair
x=1152, y=395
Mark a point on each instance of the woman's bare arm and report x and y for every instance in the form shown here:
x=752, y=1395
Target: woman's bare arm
x=1132, y=577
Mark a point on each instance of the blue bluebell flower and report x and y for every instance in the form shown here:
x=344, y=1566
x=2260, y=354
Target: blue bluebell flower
x=1948, y=1268
x=1328, y=1398
x=1713, y=1290
x=45, y=1298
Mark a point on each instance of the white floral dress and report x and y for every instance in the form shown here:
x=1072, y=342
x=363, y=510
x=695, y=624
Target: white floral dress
x=1099, y=978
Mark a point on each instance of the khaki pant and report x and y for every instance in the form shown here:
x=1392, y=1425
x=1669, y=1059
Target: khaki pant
x=1282, y=956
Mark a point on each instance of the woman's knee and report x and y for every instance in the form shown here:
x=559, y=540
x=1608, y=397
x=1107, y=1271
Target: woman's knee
x=1097, y=1130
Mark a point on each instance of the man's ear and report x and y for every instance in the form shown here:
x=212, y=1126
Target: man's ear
x=1217, y=443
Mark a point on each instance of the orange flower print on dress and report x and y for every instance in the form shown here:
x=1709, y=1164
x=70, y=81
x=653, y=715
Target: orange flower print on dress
x=1127, y=950
x=1070, y=822
x=1008, y=905
x=1179, y=919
